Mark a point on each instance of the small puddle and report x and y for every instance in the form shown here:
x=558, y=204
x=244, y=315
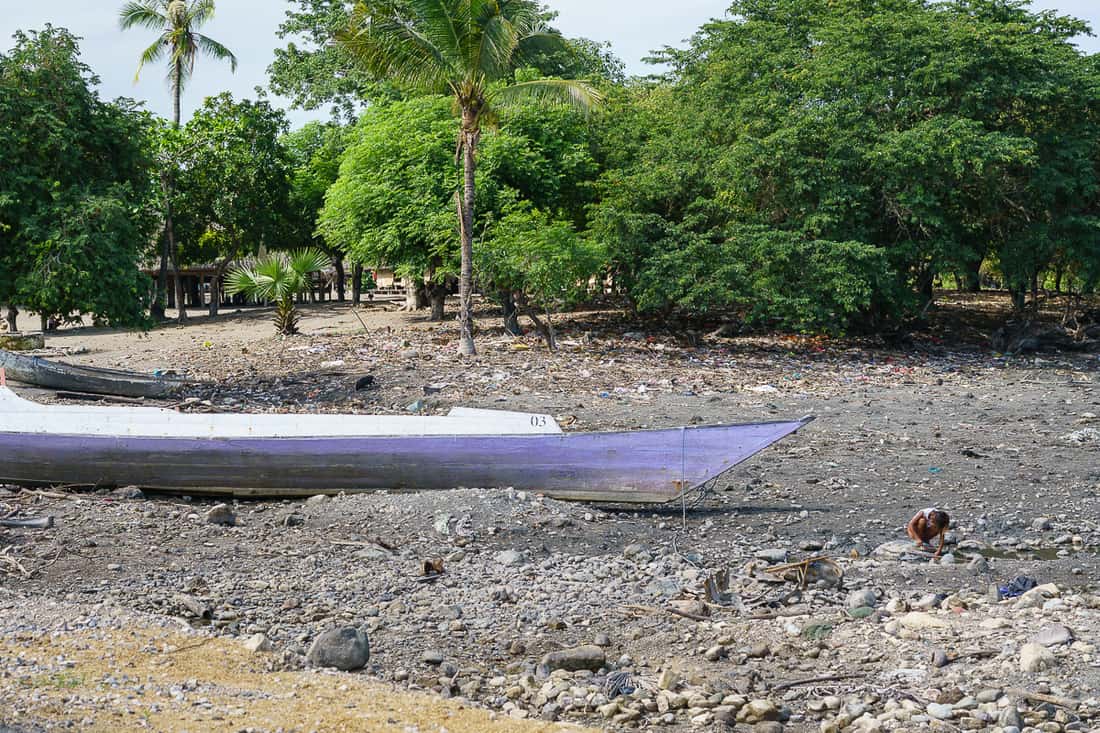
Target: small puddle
x=1035, y=554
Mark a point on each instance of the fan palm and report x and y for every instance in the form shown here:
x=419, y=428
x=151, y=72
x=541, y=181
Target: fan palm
x=467, y=49
x=180, y=42
x=278, y=277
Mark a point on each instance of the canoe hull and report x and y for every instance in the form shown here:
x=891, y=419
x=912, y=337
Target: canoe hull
x=640, y=466
x=56, y=375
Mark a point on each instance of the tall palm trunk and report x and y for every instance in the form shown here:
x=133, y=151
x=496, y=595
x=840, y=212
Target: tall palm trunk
x=177, y=79
x=171, y=251
x=470, y=136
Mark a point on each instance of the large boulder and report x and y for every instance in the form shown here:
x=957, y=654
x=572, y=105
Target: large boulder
x=345, y=648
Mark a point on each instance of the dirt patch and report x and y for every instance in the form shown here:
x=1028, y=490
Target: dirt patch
x=130, y=673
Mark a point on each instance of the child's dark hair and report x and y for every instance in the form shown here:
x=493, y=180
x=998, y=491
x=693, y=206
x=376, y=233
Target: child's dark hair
x=940, y=519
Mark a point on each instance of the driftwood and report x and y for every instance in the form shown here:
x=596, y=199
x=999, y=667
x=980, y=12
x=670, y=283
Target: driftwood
x=34, y=523
x=1062, y=702
x=99, y=397
x=941, y=658
x=802, y=568
x=814, y=680
x=56, y=375
x=668, y=609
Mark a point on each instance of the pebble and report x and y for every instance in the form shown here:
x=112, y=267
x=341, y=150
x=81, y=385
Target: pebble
x=940, y=711
x=1054, y=635
x=919, y=620
x=433, y=657
x=590, y=657
x=221, y=514
x=508, y=558
x=756, y=711
x=1036, y=658
x=861, y=599
x=772, y=555
x=259, y=643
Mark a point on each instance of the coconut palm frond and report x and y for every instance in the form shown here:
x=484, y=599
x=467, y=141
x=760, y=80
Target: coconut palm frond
x=578, y=94
x=200, y=12
x=386, y=45
x=215, y=50
x=141, y=15
x=176, y=21
x=493, y=56
x=150, y=55
x=441, y=21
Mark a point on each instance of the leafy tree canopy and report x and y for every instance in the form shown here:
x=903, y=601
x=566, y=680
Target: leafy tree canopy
x=941, y=133
x=75, y=183
x=393, y=202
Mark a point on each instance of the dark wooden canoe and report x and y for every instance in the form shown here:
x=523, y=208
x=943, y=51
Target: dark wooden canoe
x=34, y=370
x=274, y=455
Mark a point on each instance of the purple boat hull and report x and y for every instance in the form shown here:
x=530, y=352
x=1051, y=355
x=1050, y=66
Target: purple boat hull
x=639, y=466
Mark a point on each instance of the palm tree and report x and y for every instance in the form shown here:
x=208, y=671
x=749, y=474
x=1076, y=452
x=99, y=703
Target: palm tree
x=176, y=21
x=278, y=277
x=179, y=41
x=468, y=49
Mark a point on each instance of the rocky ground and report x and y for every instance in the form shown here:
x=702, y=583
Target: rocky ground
x=616, y=616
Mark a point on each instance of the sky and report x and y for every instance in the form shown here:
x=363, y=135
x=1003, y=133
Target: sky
x=247, y=27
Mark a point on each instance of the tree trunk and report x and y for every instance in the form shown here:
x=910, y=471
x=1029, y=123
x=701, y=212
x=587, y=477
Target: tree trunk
x=181, y=296
x=216, y=287
x=438, y=295
x=974, y=276
x=12, y=317
x=338, y=263
x=470, y=135
x=356, y=283
x=177, y=78
x=546, y=330
x=511, y=313
x=173, y=255
x=156, y=308
x=44, y=322
x=1018, y=299
x=415, y=298
x=926, y=285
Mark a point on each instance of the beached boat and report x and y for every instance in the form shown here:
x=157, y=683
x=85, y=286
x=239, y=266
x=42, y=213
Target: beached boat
x=296, y=454
x=40, y=372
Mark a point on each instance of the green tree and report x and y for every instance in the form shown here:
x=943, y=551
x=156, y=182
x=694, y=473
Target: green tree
x=942, y=134
x=315, y=150
x=75, y=186
x=469, y=50
x=314, y=72
x=392, y=203
x=179, y=42
x=543, y=263
x=278, y=277
x=232, y=195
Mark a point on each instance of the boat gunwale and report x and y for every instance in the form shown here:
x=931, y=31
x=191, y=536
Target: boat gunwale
x=802, y=422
